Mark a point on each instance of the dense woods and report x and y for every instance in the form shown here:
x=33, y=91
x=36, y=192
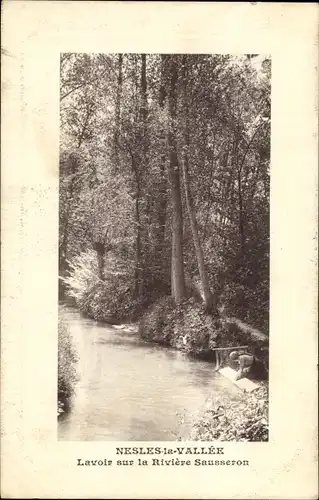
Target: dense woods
x=164, y=208
x=164, y=183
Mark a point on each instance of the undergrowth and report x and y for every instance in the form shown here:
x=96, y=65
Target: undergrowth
x=233, y=420
x=67, y=359
x=186, y=327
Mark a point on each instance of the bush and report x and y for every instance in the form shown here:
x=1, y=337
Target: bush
x=194, y=331
x=66, y=365
x=231, y=335
x=247, y=304
x=157, y=323
x=186, y=327
x=229, y=420
x=110, y=300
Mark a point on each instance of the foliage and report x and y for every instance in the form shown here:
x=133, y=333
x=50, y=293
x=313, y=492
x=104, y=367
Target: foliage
x=130, y=123
x=235, y=420
x=115, y=189
x=67, y=359
x=83, y=276
x=186, y=327
x=156, y=325
x=109, y=300
x=249, y=304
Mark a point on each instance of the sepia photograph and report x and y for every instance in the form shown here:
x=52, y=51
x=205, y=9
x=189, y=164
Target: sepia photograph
x=159, y=322
x=164, y=238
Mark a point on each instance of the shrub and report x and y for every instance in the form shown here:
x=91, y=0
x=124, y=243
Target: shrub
x=233, y=420
x=109, y=300
x=66, y=365
x=231, y=335
x=157, y=324
x=194, y=331
x=83, y=276
x=186, y=327
x=247, y=304
x=234, y=299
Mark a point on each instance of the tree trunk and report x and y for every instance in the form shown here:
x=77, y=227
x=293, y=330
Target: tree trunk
x=144, y=99
x=118, y=110
x=177, y=265
x=138, y=245
x=241, y=218
x=162, y=205
x=240, y=191
x=139, y=166
x=100, y=252
x=208, y=297
x=142, y=216
x=138, y=250
x=207, y=294
x=70, y=200
x=162, y=193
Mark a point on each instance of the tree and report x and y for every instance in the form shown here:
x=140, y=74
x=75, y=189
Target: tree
x=207, y=294
x=177, y=269
x=136, y=126
x=117, y=127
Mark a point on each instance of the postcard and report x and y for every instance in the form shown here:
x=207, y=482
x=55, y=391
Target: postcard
x=159, y=250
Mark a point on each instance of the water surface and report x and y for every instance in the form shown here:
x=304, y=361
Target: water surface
x=128, y=390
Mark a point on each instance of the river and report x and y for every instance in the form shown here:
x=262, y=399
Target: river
x=129, y=390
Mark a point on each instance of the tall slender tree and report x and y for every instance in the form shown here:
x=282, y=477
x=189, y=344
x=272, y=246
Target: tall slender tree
x=207, y=294
x=118, y=110
x=177, y=263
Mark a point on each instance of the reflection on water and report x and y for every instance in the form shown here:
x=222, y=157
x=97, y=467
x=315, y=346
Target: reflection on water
x=132, y=391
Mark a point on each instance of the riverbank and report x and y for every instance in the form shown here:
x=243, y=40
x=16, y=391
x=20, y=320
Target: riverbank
x=226, y=415
x=67, y=359
x=132, y=390
x=225, y=419
x=188, y=328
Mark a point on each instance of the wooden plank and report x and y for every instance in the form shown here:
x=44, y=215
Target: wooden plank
x=244, y=383
x=234, y=348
